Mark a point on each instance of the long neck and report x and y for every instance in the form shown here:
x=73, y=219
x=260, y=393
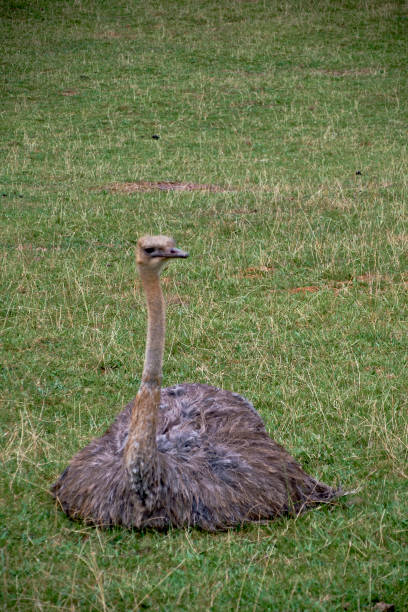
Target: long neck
x=156, y=322
x=140, y=454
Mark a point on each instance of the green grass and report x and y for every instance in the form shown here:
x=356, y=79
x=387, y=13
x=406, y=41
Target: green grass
x=285, y=102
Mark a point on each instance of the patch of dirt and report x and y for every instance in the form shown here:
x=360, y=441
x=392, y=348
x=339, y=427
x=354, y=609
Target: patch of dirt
x=109, y=34
x=164, y=186
x=343, y=285
x=364, y=279
x=38, y=249
x=69, y=92
x=379, y=372
x=372, y=278
x=244, y=212
x=176, y=300
x=127, y=34
x=348, y=72
x=257, y=271
x=310, y=289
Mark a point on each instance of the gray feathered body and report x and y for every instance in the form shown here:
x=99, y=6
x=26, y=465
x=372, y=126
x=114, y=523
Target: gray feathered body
x=215, y=467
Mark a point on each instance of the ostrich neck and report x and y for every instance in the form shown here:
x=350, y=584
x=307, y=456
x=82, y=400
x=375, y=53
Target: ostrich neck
x=140, y=455
x=152, y=371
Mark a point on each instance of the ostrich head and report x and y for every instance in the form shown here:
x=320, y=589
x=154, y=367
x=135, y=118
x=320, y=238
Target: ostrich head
x=153, y=251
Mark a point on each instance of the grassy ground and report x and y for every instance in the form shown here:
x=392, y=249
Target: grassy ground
x=295, y=294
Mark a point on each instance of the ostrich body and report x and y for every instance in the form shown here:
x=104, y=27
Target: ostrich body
x=188, y=455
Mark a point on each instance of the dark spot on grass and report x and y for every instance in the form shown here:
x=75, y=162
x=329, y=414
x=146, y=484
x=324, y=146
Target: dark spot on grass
x=384, y=607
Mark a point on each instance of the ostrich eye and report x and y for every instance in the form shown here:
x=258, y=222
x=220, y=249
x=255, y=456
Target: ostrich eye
x=149, y=250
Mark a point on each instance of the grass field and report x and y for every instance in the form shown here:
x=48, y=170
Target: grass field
x=295, y=294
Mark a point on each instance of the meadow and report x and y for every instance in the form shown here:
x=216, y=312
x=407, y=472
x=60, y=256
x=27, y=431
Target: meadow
x=294, y=116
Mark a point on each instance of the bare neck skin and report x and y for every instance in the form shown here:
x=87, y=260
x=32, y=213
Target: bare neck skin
x=156, y=320
x=140, y=456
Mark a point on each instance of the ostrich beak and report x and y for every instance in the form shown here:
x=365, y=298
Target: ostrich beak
x=175, y=252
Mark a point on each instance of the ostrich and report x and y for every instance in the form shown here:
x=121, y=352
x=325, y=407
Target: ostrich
x=187, y=455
